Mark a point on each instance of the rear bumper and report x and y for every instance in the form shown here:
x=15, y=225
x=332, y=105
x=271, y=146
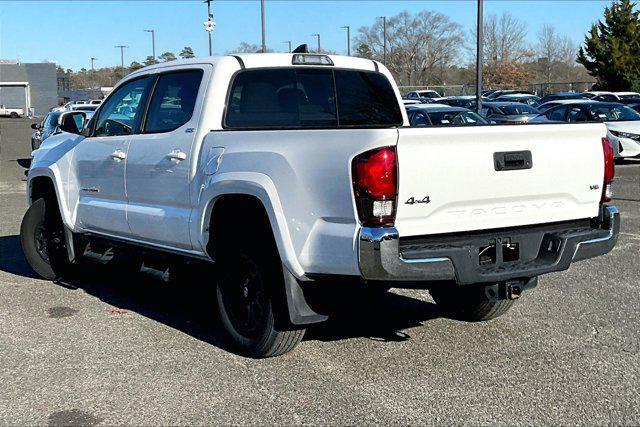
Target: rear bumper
x=541, y=249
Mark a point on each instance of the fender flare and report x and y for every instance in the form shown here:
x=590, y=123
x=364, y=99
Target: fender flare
x=46, y=171
x=262, y=188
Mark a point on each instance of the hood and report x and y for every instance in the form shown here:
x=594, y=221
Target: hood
x=55, y=146
x=629, y=127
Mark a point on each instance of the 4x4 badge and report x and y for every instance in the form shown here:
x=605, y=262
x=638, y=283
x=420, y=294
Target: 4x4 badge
x=413, y=200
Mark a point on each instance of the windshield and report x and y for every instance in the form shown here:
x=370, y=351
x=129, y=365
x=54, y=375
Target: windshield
x=516, y=110
x=613, y=113
x=456, y=118
x=429, y=94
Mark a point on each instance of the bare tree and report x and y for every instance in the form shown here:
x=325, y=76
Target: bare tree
x=556, y=55
x=504, y=39
x=419, y=47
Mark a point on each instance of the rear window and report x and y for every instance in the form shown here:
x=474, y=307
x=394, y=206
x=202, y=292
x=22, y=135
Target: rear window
x=291, y=98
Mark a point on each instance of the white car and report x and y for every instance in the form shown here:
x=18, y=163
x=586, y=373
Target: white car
x=623, y=123
x=291, y=172
x=14, y=113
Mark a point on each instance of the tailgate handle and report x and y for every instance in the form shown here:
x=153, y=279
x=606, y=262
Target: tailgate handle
x=512, y=160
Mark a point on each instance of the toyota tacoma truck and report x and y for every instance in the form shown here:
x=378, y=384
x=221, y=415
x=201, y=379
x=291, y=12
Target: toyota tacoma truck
x=292, y=171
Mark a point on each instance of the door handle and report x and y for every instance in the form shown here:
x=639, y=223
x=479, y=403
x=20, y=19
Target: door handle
x=119, y=155
x=177, y=155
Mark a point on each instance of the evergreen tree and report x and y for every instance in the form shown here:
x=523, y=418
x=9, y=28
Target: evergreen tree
x=135, y=65
x=149, y=60
x=611, y=52
x=167, y=56
x=187, y=52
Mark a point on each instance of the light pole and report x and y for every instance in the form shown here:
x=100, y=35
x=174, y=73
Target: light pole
x=318, y=36
x=384, y=38
x=479, y=56
x=264, y=37
x=122, y=48
x=289, y=42
x=92, y=59
x=207, y=25
x=348, y=28
x=153, y=43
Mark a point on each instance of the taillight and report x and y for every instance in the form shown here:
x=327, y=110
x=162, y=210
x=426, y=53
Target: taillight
x=609, y=170
x=375, y=185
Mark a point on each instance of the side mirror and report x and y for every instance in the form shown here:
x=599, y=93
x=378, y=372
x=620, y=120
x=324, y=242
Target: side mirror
x=72, y=121
x=35, y=126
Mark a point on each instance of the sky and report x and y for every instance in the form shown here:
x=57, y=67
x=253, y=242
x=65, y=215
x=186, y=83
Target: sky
x=69, y=33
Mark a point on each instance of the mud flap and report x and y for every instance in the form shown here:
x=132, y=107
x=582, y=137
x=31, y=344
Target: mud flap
x=299, y=311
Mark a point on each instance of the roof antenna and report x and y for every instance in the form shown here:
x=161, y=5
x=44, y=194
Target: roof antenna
x=303, y=48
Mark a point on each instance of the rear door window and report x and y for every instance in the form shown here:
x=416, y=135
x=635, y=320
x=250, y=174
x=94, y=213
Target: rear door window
x=291, y=98
x=173, y=101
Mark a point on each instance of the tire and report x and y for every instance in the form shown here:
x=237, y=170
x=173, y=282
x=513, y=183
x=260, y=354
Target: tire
x=42, y=239
x=247, y=305
x=469, y=304
x=13, y=115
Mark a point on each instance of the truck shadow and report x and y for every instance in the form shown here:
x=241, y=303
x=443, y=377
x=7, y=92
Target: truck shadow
x=188, y=303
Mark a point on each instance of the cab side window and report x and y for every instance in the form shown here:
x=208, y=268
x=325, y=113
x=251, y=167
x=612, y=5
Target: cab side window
x=122, y=113
x=420, y=119
x=173, y=101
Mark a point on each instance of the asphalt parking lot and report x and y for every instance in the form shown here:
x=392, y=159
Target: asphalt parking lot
x=110, y=349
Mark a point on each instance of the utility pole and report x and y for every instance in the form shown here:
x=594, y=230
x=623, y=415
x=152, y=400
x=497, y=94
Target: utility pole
x=153, y=44
x=289, y=42
x=92, y=59
x=264, y=37
x=479, y=56
x=207, y=25
x=348, y=28
x=318, y=36
x=122, y=48
x=384, y=38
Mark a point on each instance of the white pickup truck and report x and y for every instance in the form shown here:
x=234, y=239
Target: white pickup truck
x=14, y=113
x=290, y=171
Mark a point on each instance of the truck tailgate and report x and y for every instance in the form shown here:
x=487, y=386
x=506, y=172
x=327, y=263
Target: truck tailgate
x=449, y=182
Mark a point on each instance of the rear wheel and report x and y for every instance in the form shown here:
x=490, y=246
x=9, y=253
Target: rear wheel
x=42, y=238
x=471, y=304
x=247, y=307
x=13, y=115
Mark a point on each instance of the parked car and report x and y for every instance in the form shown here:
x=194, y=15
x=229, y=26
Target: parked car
x=522, y=98
x=494, y=95
x=461, y=101
x=562, y=96
x=295, y=171
x=83, y=107
x=627, y=95
x=635, y=107
x=443, y=115
x=14, y=113
x=623, y=123
x=417, y=94
x=547, y=105
x=50, y=125
x=508, y=112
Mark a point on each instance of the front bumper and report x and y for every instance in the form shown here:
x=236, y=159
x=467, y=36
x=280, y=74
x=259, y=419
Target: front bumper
x=541, y=249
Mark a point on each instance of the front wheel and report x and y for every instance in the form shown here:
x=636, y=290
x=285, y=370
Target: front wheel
x=470, y=303
x=247, y=307
x=42, y=239
x=13, y=115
